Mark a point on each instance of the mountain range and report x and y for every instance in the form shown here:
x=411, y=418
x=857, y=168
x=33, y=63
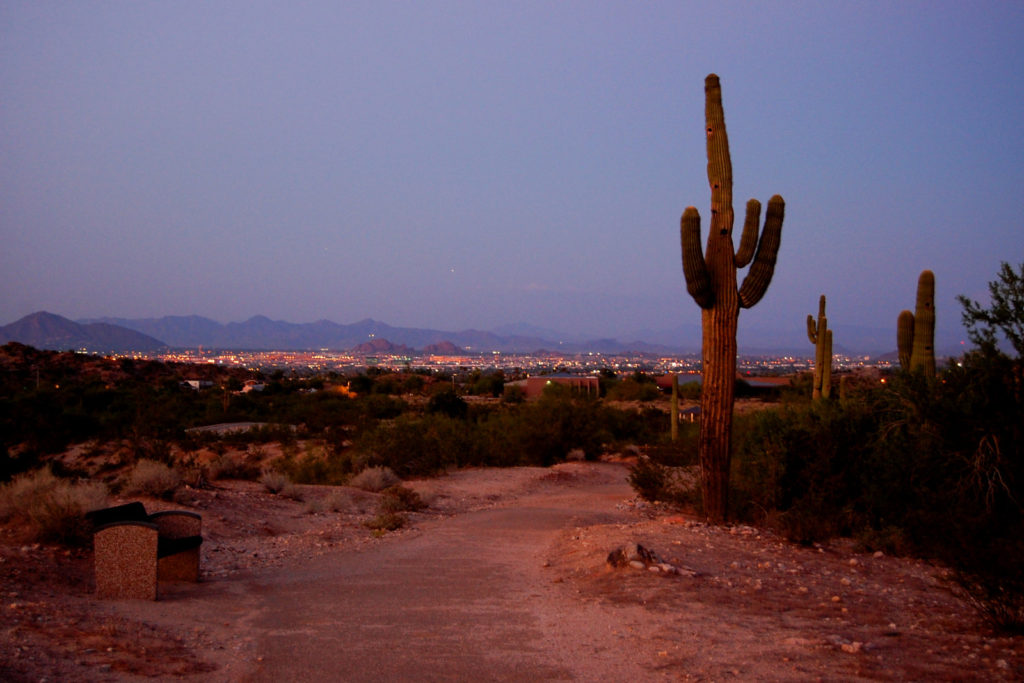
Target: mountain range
x=259, y=333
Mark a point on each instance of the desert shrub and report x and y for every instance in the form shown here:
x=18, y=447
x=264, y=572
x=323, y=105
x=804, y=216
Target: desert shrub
x=639, y=387
x=292, y=491
x=992, y=581
x=513, y=395
x=375, y=479
x=273, y=481
x=386, y=521
x=648, y=479
x=447, y=403
x=227, y=466
x=151, y=478
x=280, y=484
x=931, y=467
x=336, y=501
x=318, y=466
x=400, y=499
x=51, y=508
x=802, y=468
x=416, y=446
x=655, y=482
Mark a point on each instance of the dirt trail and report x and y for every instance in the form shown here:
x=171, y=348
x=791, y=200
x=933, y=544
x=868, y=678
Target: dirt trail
x=463, y=598
x=503, y=578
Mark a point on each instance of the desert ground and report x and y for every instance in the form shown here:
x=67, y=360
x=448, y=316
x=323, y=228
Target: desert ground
x=505, y=576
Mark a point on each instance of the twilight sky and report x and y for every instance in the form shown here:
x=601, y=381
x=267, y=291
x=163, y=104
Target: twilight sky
x=469, y=164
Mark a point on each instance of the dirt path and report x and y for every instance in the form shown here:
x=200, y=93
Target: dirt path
x=467, y=597
x=465, y=600
x=503, y=578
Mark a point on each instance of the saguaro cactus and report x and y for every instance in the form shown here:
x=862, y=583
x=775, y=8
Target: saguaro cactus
x=821, y=337
x=711, y=281
x=915, y=332
x=674, y=423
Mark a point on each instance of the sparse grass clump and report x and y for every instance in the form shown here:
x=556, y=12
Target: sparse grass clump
x=51, y=508
x=280, y=484
x=274, y=482
x=151, y=478
x=375, y=479
x=335, y=501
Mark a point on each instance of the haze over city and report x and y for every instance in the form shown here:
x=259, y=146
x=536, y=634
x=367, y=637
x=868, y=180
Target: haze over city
x=461, y=165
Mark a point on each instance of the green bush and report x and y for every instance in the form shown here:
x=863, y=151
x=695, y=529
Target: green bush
x=51, y=509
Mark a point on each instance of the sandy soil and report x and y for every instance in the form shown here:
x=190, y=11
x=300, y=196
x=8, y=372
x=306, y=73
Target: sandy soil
x=746, y=605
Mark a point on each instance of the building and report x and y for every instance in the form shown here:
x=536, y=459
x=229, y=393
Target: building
x=534, y=387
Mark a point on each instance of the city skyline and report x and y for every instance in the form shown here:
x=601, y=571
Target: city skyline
x=466, y=166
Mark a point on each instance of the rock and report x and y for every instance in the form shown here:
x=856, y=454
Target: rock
x=632, y=555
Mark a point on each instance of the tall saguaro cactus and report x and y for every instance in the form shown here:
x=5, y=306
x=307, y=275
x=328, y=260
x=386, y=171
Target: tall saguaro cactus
x=711, y=281
x=915, y=332
x=821, y=337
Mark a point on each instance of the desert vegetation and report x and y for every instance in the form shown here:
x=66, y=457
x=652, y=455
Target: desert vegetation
x=149, y=425
x=923, y=463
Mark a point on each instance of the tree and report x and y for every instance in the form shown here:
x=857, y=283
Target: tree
x=1005, y=314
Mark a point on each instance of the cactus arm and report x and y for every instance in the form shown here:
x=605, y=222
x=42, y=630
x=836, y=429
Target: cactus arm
x=755, y=284
x=905, y=337
x=812, y=329
x=695, y=270
x=748, y=241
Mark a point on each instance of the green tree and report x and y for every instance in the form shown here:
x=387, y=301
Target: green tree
x=1005, y=314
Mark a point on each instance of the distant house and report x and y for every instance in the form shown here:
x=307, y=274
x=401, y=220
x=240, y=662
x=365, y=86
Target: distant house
x=198, y=384
x=533, y=387
x=691, y=414
x=252, y=385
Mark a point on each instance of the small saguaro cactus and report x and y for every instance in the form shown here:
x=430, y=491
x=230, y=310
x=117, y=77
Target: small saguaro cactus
x=674, y=423
x=915, y=332
x=821, y=337
x=711, y=281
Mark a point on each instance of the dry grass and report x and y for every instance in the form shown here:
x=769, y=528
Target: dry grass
x=375, y=479
x=50, y=508
x=152, y=478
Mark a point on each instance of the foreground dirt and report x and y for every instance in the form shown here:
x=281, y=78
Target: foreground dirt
x=746, y=605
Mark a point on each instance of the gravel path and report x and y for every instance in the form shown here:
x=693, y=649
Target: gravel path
x=467, y=600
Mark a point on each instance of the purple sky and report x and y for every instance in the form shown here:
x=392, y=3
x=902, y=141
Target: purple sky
x=469, y=164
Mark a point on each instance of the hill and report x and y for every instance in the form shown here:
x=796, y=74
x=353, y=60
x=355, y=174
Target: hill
x=48, y=331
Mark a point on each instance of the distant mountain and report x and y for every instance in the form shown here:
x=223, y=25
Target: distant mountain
x=262, y=333
x=48, y=331
x=383, y=346
x=445, y=348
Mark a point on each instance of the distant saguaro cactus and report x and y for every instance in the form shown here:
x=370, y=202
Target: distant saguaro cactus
x=915, y=332
x=821, y=337
x=674, y=421
x=711, y=281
